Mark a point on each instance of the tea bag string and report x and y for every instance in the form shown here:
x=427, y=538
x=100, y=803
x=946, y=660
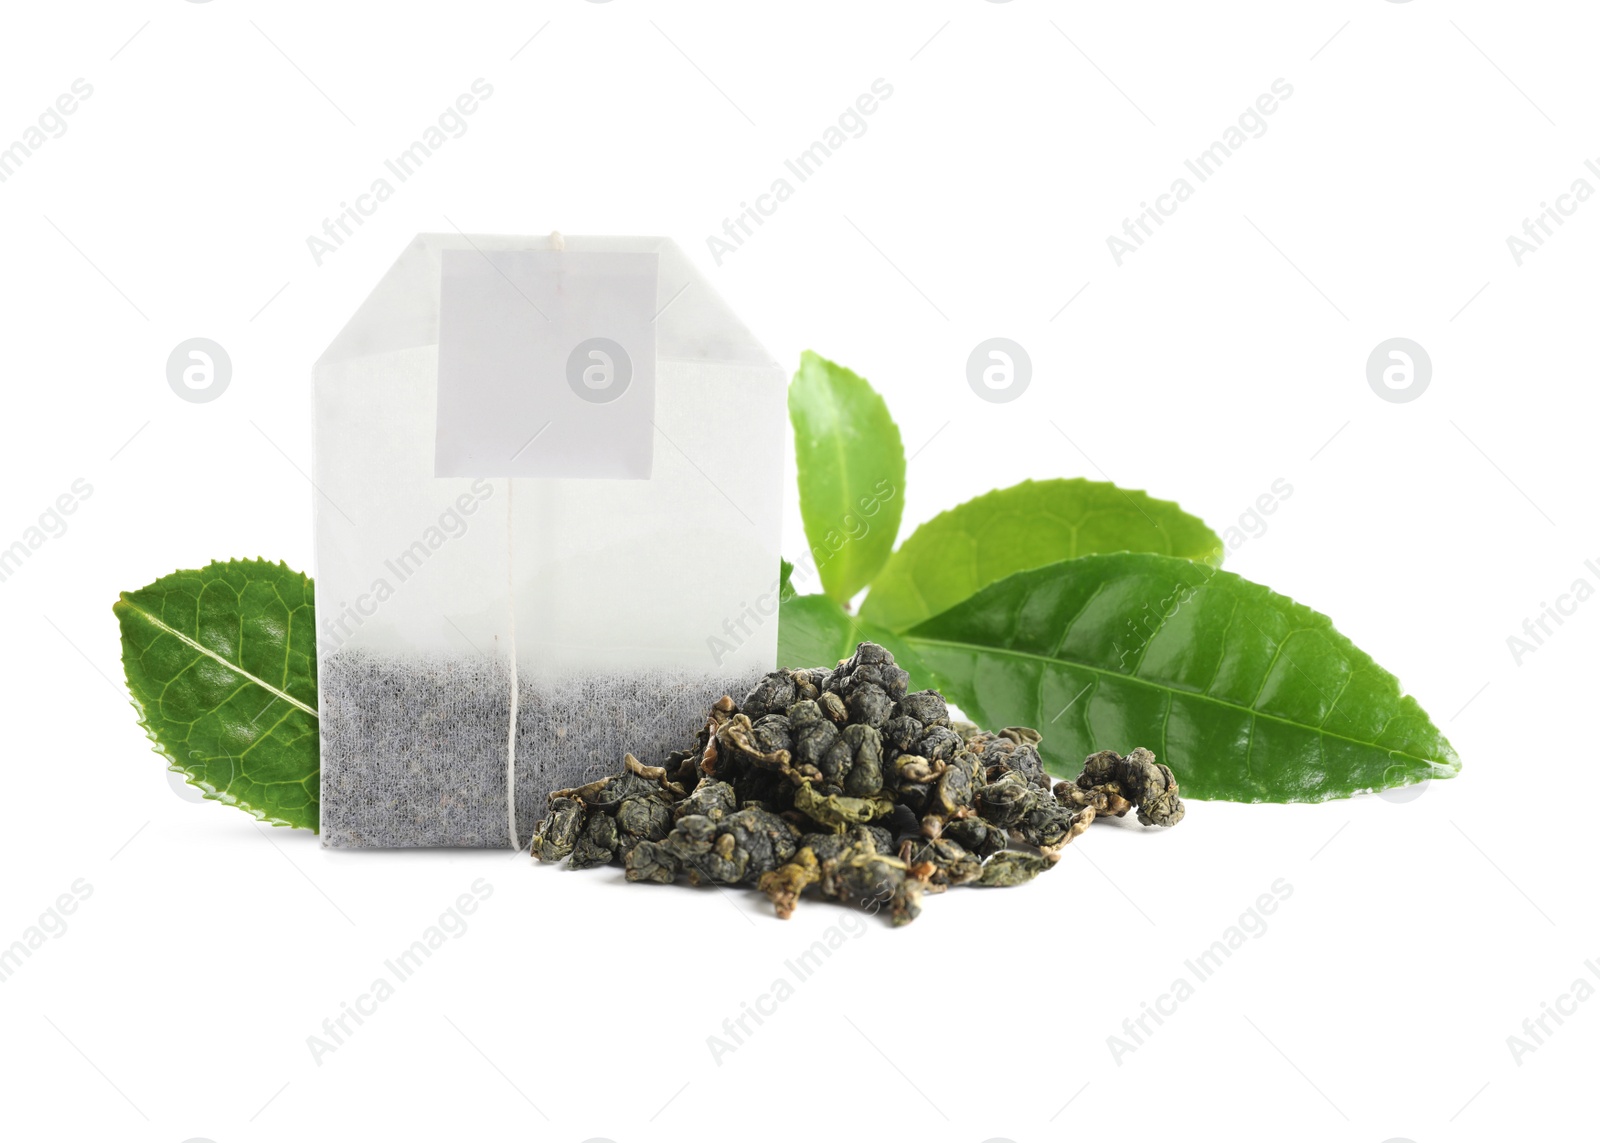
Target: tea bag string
x=511, y=627
x=558, y=243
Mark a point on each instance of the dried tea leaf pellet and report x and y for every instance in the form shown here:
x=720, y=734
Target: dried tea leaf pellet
x=840, y=782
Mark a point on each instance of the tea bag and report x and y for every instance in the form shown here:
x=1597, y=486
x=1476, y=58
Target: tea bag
x=548, y=479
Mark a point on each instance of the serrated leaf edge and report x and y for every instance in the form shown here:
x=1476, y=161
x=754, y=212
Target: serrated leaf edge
x=1214, y=562
x=175, y=766
x=1130, y=492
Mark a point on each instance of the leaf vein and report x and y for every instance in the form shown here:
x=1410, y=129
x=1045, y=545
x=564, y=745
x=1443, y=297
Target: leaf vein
x=967, y=648
x=168, y=629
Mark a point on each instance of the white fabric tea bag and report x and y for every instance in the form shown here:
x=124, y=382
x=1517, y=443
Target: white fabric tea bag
x=548, y=500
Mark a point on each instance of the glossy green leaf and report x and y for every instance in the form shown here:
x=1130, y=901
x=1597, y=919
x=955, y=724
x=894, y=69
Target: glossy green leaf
x=852, y=472
x=1247, y=695
x=221, y=664
x=814, y=631
x=1028, y=525
x=785, y=588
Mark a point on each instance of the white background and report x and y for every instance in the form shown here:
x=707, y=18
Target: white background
x=1229, y=352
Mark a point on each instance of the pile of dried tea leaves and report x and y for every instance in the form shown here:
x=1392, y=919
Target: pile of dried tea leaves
x=841, y=780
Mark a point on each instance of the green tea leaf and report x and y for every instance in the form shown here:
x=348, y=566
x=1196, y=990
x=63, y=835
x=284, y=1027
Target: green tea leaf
x=814, y=631
x=221, y=664
x=852, y=471
x=1247, y=695
x=785, y=588
x=1028, y=525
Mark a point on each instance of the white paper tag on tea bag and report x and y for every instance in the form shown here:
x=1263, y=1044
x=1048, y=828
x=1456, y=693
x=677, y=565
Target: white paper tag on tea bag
x=547, y=364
